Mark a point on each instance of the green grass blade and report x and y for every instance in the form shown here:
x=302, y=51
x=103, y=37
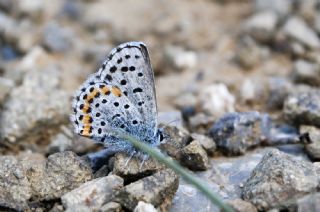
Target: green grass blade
x=186, y=175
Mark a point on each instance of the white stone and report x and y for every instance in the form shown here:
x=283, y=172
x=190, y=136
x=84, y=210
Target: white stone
x=217, y=100
x=297, y=29
x=261, y=26
x=248, y=90
x=145, y=207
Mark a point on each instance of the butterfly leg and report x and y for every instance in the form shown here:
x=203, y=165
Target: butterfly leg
x=130, y=157
x=144, y=158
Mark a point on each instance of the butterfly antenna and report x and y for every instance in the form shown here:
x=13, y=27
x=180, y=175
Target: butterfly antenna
x=175, y=120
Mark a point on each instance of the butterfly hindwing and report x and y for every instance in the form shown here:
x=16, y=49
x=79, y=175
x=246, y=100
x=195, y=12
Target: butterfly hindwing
x=101, y=107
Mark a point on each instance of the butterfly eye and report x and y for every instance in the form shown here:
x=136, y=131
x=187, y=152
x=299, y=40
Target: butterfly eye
x=161, y=136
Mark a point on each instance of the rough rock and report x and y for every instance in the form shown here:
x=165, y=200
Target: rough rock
x=306, y=72
x=309, y=202
x=278, y=180
x=61, y=173
x=194, y=157
x=144, y=207
x=295, y=28
x=111, y=207
x=207, y=143
x=14, y=185
x=133, y=168
x=234, y=133
x=261, y=26
x=157, y=190
x=56, y=38
x=303, y=107
x=92, y=194
x=175, y=140
x=240, y=205
x=312, y=134
x=47, y=106
x=217, y=100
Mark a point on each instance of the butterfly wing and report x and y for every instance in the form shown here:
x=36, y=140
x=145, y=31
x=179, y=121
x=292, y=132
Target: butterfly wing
x=120, y=95
x=128, y=67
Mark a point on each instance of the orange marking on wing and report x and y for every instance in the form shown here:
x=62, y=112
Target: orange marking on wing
x=86, y=130
x=93, y=93
x=85, y=108
x=105, y=90
x=116, y=91
x=86, y=119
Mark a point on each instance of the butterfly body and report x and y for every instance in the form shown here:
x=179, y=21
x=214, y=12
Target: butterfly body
x=120, y=96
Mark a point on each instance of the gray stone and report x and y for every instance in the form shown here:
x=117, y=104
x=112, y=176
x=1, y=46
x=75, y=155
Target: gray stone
x=316, y=25
x=313, y=144
x=57, y=38
x=234, y=133
x=60, y=143
x=306, y=72
x=144, y=207
x=157, y=189
x=92, y=194
x=194, y=157
x=200, y=122
x=6, y=5
x=282, y=8
x=14, y=185
x=175, y=140
x=295, y=28
x=134, y=168
x=207, y=143
x=279, y=89
x=61, y=173
x=111, y=207
x=303, y=107
x=224, y=177
x=278, y=180
x=6, y=85
x=240, y=205
x=261, y=26
x=309, y=202
x=248, y=53
x=47, y=107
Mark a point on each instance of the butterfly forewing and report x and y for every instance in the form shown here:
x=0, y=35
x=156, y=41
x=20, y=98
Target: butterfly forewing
x=128, y=67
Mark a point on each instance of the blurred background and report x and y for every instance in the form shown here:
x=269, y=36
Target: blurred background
x=209, y=57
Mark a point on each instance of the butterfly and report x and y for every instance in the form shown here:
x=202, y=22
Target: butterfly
x=119, y=96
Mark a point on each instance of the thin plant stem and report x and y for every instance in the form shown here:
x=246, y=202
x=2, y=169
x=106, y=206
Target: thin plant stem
x=186, y=175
